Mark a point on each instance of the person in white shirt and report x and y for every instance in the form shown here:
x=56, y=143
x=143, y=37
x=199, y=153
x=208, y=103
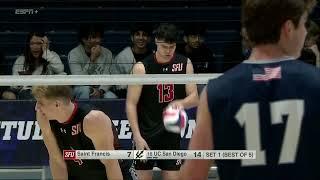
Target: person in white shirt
x=91, y=58
x=37, y=59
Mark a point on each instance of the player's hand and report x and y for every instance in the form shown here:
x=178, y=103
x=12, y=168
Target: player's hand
x=95, y=53
x=140, y=143
x=44, y=46
x=40, y=116
x=176, y=104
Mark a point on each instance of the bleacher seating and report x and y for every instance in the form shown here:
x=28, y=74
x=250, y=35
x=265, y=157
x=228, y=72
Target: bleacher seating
x=64, y=41
x=58, y=19
x=119, y=3
x=61, y=23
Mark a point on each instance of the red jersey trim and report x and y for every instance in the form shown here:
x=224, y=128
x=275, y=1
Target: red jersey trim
x=75, y=110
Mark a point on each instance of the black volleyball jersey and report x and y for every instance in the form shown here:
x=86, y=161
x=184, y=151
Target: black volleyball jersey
x=154, y=98
x=70, y=135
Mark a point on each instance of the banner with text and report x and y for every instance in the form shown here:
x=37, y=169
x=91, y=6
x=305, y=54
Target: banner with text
x=20, y=136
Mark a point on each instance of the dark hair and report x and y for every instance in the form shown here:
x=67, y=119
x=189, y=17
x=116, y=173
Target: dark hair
x=90, y=31
x=195, y=29
x=167, y=33
x=263, y=19
x=30, y=60
x=147, y=28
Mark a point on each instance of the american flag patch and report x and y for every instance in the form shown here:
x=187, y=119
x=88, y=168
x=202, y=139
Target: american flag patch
x=269, y=74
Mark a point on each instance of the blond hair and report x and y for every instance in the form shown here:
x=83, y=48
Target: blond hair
x=52, y=92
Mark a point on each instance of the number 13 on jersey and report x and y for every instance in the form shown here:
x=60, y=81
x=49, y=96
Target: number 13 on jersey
x=165, y=92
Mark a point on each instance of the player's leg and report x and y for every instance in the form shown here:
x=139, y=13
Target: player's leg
x=170, y=168
x=170, y=175
x=144, y=174
x=127, y=170
x=143, y=168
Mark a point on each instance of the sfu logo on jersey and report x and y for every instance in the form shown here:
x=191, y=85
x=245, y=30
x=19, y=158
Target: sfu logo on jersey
x=177, y=67
x=75, y=129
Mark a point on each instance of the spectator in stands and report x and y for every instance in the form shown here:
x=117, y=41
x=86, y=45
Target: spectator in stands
x=239, y=48
x=196, y=50
x=5, y=92
x=140, y=37
x=91, y=58
x=36, y=60
x=310, y=53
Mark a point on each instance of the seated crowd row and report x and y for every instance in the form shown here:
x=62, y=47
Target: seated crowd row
x=91, y=58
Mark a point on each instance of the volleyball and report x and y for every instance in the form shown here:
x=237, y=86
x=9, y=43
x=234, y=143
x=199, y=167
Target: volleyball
x=174, y=119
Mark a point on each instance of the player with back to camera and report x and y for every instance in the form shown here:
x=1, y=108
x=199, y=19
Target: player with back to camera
x=145, y=103
x=268, y=103
x=66, y=125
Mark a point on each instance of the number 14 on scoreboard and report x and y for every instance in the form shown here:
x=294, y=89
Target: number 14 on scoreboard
x=159, y=154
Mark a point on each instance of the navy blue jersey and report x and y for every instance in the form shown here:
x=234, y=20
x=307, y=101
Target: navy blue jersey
x=270, y=107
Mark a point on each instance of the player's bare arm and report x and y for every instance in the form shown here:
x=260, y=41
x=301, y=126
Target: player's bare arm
x=133, y=95
x=97, y=126
x=202, y=139
x=57, y=164
x=192, y=98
